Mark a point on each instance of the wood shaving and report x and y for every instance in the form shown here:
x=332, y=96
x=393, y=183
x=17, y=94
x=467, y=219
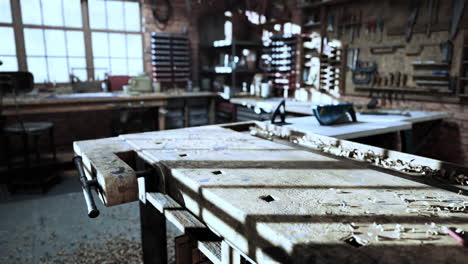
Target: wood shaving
x=408, y=167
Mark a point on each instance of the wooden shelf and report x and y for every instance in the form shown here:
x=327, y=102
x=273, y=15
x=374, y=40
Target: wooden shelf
x=245, y=71
x=312, y=25
x=325, y=3
x=431, y=77
x=406, y=90
x=432, y=83
x=430, y=64
x=239, y=43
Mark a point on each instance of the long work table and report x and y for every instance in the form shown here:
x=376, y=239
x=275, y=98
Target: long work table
x=50, y=104
x=374, y=123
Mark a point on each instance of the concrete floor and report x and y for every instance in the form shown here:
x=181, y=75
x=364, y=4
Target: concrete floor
x=54, y=228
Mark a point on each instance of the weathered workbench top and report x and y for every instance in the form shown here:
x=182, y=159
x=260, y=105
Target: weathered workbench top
x=41, y=103
x=279, y=203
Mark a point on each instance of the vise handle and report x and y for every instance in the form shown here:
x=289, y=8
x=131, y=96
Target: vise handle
x=86, y=185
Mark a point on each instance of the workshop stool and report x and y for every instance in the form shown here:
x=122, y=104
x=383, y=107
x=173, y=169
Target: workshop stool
x=25, y=130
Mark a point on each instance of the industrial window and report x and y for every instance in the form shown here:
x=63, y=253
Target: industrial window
x=117, y=47
x=8, y=46
x=54, y=34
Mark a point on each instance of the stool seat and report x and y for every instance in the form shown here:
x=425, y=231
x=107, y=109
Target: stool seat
x=26, y=130
x=29, y=127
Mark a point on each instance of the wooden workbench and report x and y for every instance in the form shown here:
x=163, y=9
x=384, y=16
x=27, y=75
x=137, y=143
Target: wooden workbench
x=272, y=202
x=47, y=104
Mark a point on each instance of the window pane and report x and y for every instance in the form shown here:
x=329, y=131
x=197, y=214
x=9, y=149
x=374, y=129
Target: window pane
x=30, y=12
x=77, y=66
x=9, y=63
x=134, y=45
x=117, y=45
x=34, y=41
x=58, y=70
x=115, y=14
x=5, y=11
x=52, y=12
x=101, y=66
x=7, y=47
x=75, y=43
x=55, y=43
x=135, y=67
x=72, y=12
x=118, y=67
x=132, y=16
x=99, y=43
x=38, y=67
x=97, y=14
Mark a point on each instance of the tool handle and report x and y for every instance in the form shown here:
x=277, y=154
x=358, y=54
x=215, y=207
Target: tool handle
x=86, y=185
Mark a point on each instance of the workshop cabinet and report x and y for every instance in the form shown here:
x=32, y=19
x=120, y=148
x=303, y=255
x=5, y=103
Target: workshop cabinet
x=187, y=113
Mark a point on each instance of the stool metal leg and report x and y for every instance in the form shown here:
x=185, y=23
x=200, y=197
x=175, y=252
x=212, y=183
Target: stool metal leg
x=52, y=143
x=26, y=149
x=36, y=147
x=7, y=153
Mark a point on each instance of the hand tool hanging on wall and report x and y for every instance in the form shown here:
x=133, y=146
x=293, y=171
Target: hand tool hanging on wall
x=431, y=14
x=447, y=51
x=412, y=20
x=358, y=24
x=420, y=48
x=458, y=7
x=391, y=78
x=380, y=26
x=188, y=7
x=371, y=26
x=331, y=22
x=385, y=49
x=397, y=79
x=363, y=72
x=352, y=56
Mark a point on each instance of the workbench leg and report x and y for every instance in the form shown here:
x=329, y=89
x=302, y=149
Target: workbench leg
x=153, y=234
x=6, y=142
x=52, y=143
x=407, y=141
x=212, y=111
x=229, y=255
x=26, y=149
x=186, y=114
x=162, y=118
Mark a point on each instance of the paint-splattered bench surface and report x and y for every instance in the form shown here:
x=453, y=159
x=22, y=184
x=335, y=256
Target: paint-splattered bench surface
x=280, y=203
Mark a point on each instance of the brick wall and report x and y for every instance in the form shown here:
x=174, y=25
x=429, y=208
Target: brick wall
x=449, y=141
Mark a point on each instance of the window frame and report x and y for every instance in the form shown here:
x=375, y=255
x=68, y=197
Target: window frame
x=18, y=29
